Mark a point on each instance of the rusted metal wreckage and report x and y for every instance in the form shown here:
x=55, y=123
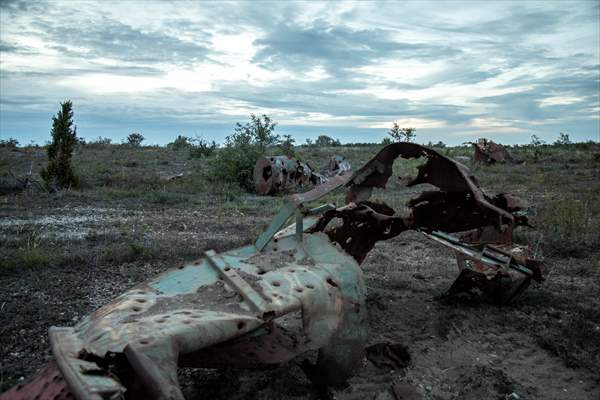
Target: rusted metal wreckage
x=489, y=152
x=298, y=287
x=284, y=174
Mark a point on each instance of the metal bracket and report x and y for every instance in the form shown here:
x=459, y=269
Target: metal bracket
x=233, y=279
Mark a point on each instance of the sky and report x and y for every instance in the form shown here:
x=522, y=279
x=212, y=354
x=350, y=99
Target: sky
x=455, y=71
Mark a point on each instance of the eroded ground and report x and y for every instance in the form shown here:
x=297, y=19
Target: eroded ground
x=83, y=252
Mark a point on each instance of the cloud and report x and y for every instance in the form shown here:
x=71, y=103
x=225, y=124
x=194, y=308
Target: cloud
x=419, y=123
x=349, y=67
x=338, y=49
x=111, y=39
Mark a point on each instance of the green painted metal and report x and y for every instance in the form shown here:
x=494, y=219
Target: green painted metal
x=280, y=219
x=299, y=226
x=188, y=279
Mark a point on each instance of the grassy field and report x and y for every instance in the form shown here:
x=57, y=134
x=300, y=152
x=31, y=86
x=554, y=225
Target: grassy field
x=64, y=254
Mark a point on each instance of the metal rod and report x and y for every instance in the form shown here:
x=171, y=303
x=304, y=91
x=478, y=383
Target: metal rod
x=299, y=226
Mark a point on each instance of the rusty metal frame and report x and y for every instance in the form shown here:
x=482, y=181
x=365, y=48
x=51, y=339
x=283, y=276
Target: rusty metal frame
x=284, y=174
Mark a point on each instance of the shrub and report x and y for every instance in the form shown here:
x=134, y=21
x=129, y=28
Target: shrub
x=537, y=145
x=326, y=141
x=59, y=173
x=135, y=139
x=100, y=142
x=386, y=141
x=180, y=143
x=257, y=132
x=287, y=145
x=235, y=162
x=202, y=148
x=402, y=134
x=563, y=139
x=9, y=143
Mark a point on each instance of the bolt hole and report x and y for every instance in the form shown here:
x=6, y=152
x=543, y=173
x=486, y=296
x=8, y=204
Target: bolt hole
x=136, y=309
x=241, y=325
x=310, y=286
x=144, y=341
x=332, y=282
x=141, y=300
x=299, y=290
x=227, y=269
x=276, y=283
x=261, y=272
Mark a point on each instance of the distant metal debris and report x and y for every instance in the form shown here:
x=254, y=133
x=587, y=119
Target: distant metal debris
x=298, y=287
x=335, y=166
x=488, y=152
x=284, y=174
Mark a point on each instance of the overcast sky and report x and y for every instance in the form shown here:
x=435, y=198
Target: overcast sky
x=454, y=70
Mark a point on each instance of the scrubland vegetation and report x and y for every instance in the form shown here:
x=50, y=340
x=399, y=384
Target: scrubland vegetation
x=561, y=181
x=138, y=209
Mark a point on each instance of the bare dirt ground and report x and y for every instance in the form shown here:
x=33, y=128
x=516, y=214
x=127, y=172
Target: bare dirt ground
x=545, y=346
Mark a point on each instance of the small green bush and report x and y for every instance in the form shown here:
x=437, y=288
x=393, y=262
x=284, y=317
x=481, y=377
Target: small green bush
x=287, y=146
x=99, y=142
x=10, y=143
x=563, y=139
x=235, y=162
x=326, y=141
x=402, y=134
x=135, y=139
x=180, y=143
x=537, y=147
x=202, y=148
